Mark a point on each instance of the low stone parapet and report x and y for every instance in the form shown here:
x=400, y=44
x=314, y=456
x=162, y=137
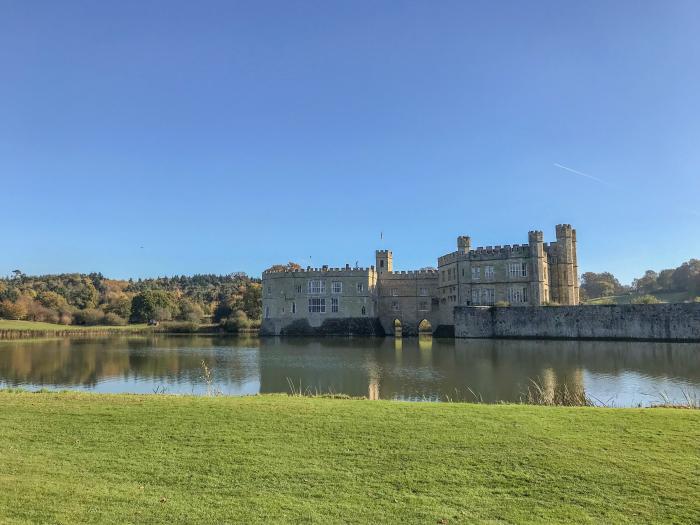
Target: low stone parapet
x=650, y=322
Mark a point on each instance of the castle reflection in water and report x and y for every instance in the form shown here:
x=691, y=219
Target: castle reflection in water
x=411, y=368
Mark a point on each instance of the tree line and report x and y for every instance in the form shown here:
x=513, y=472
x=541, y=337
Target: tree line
x=92, y=299
x=683, y=279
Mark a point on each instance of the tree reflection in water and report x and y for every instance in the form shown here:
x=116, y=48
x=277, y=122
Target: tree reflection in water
x=421, y=368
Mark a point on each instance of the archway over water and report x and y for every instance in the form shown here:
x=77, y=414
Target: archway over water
x=425, y=328
x=397, y=328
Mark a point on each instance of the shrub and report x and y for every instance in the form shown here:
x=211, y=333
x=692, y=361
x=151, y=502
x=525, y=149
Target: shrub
x=605, y=301
x=179, y=327
x=238, y=321
x=645, y=299
x=12, y=310
x=113, y=319
x=89, y=316
x=37, y=312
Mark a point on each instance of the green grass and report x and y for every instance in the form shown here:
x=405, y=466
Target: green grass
x=75, y=458
x=34, y=326
x=664, y=297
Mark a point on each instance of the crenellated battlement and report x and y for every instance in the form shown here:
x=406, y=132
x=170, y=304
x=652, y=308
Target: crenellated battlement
x=410, y=274
x=486, y=252
x=564, y=230
x=324, y=270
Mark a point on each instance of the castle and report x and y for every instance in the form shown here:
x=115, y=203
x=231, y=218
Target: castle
x=378, y=300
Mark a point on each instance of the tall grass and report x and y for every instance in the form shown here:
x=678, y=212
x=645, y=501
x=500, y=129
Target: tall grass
x=559, y=394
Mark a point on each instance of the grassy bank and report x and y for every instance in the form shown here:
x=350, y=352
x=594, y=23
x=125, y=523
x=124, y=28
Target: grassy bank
x=20, y=329
x=663, y=297
x=68, y=458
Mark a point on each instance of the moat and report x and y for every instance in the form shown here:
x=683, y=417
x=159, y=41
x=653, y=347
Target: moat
x=419, y=369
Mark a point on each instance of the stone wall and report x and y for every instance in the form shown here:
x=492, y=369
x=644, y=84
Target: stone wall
x=669, y=322
x=363, y=326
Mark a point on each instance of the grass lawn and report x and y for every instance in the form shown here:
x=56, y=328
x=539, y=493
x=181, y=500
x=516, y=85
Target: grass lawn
x=664, y=297
x=6, y=324
x=71, y=458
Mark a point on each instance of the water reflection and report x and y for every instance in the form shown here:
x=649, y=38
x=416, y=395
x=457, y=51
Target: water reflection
x=620, y=373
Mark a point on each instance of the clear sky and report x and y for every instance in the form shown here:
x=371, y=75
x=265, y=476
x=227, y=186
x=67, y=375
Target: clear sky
x=142, y=138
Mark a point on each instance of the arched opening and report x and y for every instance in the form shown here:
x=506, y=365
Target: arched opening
x=397, y=328
x=425, y=328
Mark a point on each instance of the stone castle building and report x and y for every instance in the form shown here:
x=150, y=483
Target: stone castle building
x=378, y=300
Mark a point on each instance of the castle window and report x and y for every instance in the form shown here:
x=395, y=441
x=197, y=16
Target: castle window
x=337, y=287
x=523, y=270
x=488, y=272
x=423, y=292
x=294, y=307
x=423, y=306
x=298, y=288
x=360, y=287
x=267, y=312
x=488, y=296
x=514, y=270
x=334, y=304
x=395, y=292
x=381, y=263
x=518, y=294
x=316, y=286
x=269, y=290
x=395, y=306
x=476, y=273
x=364, y=311
x=317, y=305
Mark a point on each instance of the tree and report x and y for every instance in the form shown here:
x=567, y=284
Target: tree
x=685, y=276
x=189, y=311
x=665, y=280
x=600, y=284
x=252, y=301
x=119, y=305
x=151, y=304
x=647, y=284
x=290, y=266
x=51, y=300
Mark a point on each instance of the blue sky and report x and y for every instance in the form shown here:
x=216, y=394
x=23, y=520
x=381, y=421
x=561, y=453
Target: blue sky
x=146, y=138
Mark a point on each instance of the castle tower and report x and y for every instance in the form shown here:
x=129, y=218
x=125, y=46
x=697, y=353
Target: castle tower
x=385, y=261
x=464, y=244
x=566, y=265
x=539, y=287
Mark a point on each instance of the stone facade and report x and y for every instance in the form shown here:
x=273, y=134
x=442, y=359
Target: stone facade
x=651, y=322
x=529, y=274
x=315, y=300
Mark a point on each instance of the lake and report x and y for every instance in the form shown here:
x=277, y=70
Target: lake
x=419, y=369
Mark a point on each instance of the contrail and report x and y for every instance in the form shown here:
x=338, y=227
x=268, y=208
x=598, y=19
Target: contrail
x=581, y=173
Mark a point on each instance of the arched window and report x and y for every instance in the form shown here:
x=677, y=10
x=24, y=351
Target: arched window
x=364, y=311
